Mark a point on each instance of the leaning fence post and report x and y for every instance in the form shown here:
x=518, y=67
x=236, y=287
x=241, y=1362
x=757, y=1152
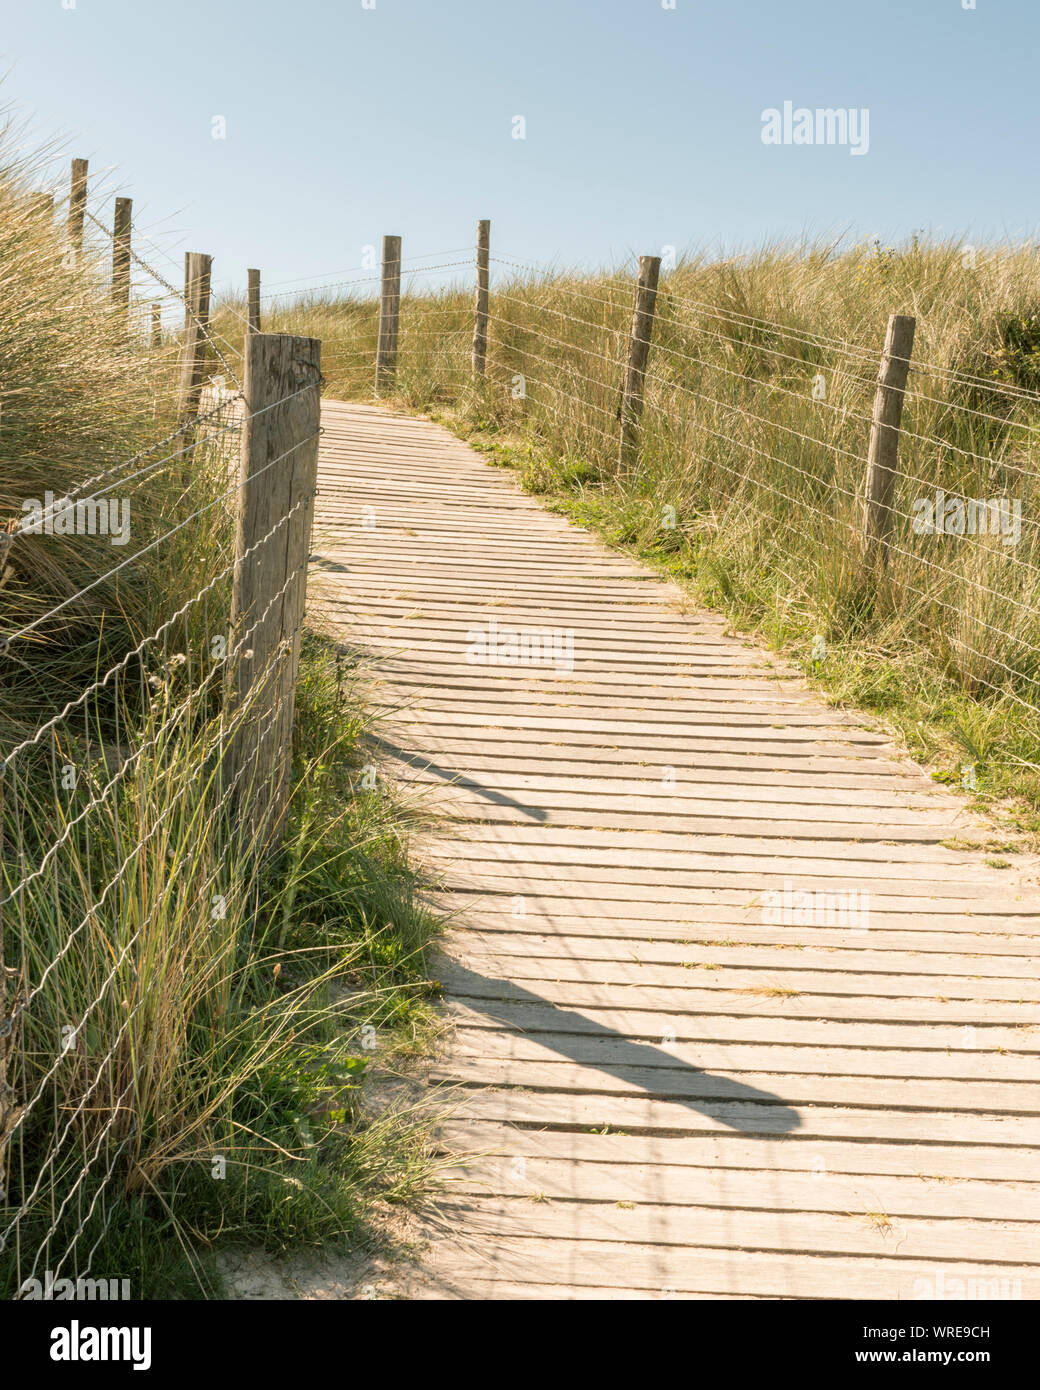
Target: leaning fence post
x=480, y=320
x=883, y=455
x=197, y=271
x=253, y=300
x=631, y=407
x=77, y=204
x=279, y=468
x=121, y=255
x=389, y=311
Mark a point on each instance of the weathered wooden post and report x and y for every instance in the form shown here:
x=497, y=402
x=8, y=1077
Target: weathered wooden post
x=253, y=300
x=389, y=311
x=275, y=512
x=883, y=455
x=121, y=255
x=77, y=204
x=197, y=272
x=631, y=408
x=480, y=318
x=156, y=325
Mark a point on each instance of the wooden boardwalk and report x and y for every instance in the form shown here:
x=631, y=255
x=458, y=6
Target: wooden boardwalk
x=732, y=1018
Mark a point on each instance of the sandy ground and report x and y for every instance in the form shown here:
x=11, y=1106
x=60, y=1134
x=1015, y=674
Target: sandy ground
x=361, y=1274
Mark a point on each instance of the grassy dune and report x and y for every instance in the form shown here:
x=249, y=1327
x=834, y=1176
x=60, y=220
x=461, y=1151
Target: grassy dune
x=192, y=1020
x=750, y=479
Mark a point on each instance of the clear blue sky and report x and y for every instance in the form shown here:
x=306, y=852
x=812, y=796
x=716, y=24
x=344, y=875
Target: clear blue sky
x=643, y=124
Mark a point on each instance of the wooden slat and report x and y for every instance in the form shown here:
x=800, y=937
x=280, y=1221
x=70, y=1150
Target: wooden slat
x=607, y=1050
x=479, y=1268
x=571, y=1180
x=872, y=1041
x=557, y=1073
x=764, y=1155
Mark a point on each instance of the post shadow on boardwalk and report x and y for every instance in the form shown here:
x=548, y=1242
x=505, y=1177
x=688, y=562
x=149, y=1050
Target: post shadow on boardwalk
x=740, y=1107
x=448, y=775
x=454, y=779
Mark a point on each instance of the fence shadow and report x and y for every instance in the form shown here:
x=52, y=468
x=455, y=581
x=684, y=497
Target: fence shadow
x=454, y=779
x=563, y=1029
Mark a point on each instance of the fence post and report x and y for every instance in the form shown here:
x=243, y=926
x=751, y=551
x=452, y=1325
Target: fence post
x=631, y=407
x=389, y=311
x=883, y=455
x=77, y=204
x=121, y=255
x=197, y=271
x=253, y=300
x=156, y=325
x=278, y=477
x=481, y=306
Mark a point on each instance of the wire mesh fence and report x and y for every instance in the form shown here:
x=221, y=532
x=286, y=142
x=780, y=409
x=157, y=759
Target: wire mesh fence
x=137, y=811
x=760, y=428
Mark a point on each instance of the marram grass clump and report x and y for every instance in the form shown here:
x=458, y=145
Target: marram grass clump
x=192, y=1015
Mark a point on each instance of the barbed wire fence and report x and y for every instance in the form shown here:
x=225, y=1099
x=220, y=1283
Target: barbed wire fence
x=154, y=794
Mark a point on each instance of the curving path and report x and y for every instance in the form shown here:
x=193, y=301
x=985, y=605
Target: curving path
x=737, y=1012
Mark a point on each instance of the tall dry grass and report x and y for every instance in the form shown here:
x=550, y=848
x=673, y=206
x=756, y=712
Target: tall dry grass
x=177, y=996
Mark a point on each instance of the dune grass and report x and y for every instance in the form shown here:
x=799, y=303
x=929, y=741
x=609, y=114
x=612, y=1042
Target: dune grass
x=193, y=1015
x=750, y=478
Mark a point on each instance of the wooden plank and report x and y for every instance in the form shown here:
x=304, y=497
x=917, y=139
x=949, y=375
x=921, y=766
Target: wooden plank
x=875, y=1041
x=967, y=934
x=762, y=997
x=563, y=1076
x=424, y=1285
x=598, y=883
x=606, y=1049
x=729, y=1151
x=488, y=808
x=860, y=1233
x=837, y=981
x=672, y=887
x=560, y=946
x=694, y=1271
x=872, y=782
x=770, y=854
x=633, y=1115
x=673, y=1184
x=716, y=909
